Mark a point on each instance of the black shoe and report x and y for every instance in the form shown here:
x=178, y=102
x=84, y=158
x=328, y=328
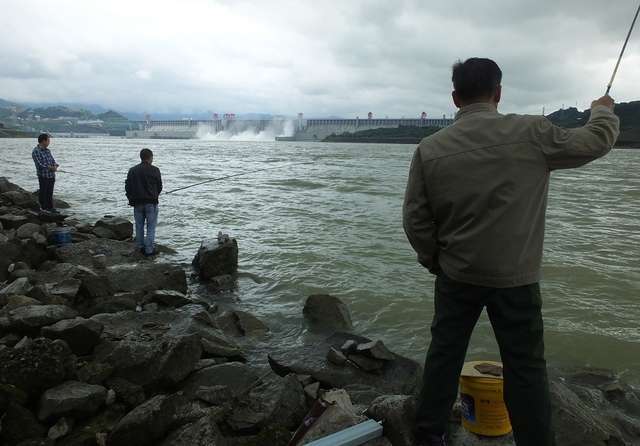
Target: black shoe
x=54, y=211
x=151, y=254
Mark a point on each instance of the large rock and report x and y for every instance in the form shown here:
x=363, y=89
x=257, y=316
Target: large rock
x=40, y=365
x=19, y=424
x=11, y=221
x=20, y=286
x=28, y=229
x=398, y=414
x=33, y=317
x=216, y=259
x=22, y=199
x=203, y=432
x=81, y=334
x=236, y=376
x=121, y=228
x=398, y=376
x=72, y=398
x=327, y=313
x=153, y=348
x=6, y=185
x=148, y=423
x=167, y=298
x=147, y=276
x=82, y=253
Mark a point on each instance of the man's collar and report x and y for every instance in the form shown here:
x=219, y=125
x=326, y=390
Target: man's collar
x=42, y=147
x=478, y=107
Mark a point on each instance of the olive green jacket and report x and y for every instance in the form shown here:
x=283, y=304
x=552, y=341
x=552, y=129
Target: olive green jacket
x=476, y=197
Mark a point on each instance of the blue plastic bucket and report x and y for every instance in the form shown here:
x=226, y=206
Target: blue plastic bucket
x=60, y=236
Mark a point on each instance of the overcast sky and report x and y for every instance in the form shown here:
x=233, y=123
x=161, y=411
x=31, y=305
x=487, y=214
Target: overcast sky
x=324, y=57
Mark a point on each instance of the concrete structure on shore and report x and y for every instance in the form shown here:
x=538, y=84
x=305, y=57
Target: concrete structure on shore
x=282, y=129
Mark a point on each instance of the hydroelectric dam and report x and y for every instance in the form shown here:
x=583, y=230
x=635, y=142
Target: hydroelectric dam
x=280, y=129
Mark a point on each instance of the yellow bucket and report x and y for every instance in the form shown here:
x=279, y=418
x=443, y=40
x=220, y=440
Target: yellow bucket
x=481, y=394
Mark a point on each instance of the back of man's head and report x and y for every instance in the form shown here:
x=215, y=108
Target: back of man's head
x=146, y=155
x=476, y=79
x=42, y=138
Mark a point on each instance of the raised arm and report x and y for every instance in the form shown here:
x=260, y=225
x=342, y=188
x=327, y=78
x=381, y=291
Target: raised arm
x=567, y=148
x=417, y=217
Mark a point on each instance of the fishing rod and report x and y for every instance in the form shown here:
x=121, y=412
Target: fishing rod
x=233, y=175
x=78, y=174
x=615, y=70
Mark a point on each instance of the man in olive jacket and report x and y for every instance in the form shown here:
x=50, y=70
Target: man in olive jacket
x=143, y=186
x=474, y=211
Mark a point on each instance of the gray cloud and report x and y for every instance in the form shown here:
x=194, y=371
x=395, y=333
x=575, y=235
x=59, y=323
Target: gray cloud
x=339, y=58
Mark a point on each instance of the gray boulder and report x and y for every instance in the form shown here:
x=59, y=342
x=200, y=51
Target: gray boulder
x=21, y=198
x=20, y=286
x=27, y=230
x=203, y=432
x=6, y=185
x=327, y=313
x=399, y=376
x=11, y=221
x=103, y=232
x=39, y=366
x=147, y=277
x=236, y=376
x=33, y=317
x=19, y=425
x=167, y=298
x=81, y=334
x=121, y=228
x=72, y=398
x=148, y=423
x=216, y=259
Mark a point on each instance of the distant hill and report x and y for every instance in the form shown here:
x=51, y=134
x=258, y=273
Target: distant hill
x=111, y=116
x=628, y=112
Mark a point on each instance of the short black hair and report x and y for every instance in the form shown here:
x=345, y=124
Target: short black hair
x=42, y=137
x=476, y=78
x=146, y=154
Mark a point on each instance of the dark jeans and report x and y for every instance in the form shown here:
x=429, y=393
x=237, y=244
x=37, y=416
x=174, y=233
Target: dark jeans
x=45, y=194
x=515, y=314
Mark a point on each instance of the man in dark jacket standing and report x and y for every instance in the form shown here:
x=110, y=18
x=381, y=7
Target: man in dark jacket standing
x=474, y=211
x=143, y=186
x=46, y=168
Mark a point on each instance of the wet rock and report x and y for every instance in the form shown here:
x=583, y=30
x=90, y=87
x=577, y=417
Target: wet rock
x=398, y=414
x=21, y=198
x=147, y=277
x=121, y=228
x=236, y=376
x=249, y=325
x=129, y=393
x=19, y=424
x=116, y=252
x=216, y=259
x=19, y=286
x=367, y=364
x=81, y=334
x=102, y=232
x=375, y=349
x=62, y=427
x=14, y=301
x=72, y=398
x=10, y=221
x=40, y=366
x=167, y=298
x=336, y=357
x=115, y=304
x=33, y=317
x=215, y=395
x=325, y=312
x=6, y=185
x=203, y=432
x=94, y=372
x=312, y=390
x=10, y=339
x=153, y=419
x=221, y=348
x=66, y=289
x=27, y=230
x=400, y=376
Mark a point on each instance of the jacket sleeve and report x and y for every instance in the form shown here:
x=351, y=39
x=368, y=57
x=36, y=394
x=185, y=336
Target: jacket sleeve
x=159, y=182
x=417, y=217
x=39, y=161
x=567, y=148
x=127, y=185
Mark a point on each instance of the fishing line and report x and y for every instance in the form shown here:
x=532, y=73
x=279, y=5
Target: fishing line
x=233, y=175
x=615, y=70
x=79, y=174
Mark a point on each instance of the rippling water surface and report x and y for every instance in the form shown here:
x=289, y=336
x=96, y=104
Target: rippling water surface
x=334, y=226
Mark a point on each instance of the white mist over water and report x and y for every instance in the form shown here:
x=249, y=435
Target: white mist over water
x=239, y=131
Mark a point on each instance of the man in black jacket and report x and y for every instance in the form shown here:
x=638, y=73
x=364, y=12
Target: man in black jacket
x=143, y=185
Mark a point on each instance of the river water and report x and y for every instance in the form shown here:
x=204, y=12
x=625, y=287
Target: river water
x=334, y=226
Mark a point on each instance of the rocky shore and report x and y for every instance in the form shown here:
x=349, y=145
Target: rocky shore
x=102, y=346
